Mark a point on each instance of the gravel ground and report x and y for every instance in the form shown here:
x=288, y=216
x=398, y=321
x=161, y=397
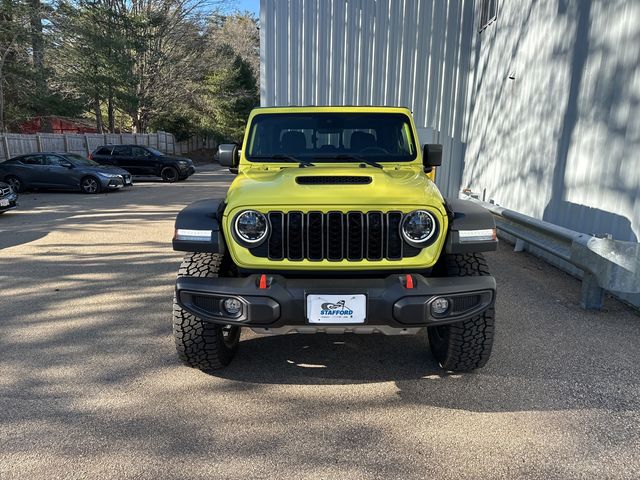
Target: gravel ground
x=90, y=386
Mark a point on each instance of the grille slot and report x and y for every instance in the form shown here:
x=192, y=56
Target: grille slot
x=355, y=236
x=315, y=228
x=375, y=236
x=295, y=229
x=464, y=303
x=276, y=239
x=335, y=236
x=394, y=240
x=333, y=180
x=207, y=303
x=5, y=191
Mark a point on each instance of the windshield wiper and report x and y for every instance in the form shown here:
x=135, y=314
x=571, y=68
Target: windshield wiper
x=351, y=156
x=284, y=156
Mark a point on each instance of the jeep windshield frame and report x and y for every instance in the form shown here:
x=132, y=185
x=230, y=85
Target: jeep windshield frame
x=336, y=137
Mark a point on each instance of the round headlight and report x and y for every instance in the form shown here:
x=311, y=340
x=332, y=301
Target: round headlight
x=251, y=227
x=418, y=227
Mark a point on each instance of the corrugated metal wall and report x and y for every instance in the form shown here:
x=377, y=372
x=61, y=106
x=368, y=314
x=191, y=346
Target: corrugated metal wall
x=373, y=52
x=561, y=140
x=540, y=112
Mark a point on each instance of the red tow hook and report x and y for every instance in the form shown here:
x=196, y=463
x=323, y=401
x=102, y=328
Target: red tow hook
x=408, y=281
x=262, y=283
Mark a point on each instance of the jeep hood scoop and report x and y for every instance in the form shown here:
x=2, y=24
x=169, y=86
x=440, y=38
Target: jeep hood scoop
x=344, y=186
x=333, y=180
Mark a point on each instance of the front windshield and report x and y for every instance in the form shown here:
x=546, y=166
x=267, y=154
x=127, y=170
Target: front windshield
x=80, y=160
x=331, y=137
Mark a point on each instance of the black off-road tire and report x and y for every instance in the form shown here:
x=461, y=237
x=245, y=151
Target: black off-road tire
x=201, y=344
x=466, y=345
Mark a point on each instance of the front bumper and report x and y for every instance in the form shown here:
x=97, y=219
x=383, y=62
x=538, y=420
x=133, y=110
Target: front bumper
x=11, y=202
x=116, y=182
x=187, y=171
x=281, y=306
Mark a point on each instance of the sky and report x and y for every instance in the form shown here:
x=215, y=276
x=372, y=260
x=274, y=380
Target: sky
x=250, y=5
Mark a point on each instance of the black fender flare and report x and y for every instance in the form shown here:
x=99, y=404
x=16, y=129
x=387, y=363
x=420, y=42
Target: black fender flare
x=203, y=216
x=467, y=215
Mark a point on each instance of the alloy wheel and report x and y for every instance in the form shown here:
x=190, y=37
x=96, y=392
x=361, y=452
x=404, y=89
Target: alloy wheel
x=170, y=175
x=15, y=184
x=89, y=185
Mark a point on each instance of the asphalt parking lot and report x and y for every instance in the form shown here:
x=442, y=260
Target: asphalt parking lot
x=90, y=386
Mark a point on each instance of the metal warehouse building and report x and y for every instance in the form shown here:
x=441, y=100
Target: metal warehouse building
x=537, y=103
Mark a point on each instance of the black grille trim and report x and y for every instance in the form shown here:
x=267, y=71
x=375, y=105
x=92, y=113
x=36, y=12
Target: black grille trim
x=335, y=236
x=333, y=180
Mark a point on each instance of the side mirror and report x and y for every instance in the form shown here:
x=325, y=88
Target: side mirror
x=431, y=156
x=66, y=164
x=228, y=155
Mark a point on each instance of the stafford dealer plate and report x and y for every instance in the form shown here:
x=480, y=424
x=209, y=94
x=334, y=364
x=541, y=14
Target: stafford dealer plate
x=4, y=202
x=336, y=309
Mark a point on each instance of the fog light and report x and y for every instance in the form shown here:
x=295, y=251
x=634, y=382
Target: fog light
x=439, y=306
x=232, y=306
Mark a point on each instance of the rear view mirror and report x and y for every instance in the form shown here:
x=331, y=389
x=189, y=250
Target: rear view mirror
x=228, y=155
x=431, y=156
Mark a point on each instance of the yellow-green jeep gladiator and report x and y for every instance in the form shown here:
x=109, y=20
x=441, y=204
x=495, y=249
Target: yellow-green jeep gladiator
x=333, y=224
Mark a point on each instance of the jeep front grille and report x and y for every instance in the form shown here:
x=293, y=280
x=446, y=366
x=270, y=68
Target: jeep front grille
x=335, y=236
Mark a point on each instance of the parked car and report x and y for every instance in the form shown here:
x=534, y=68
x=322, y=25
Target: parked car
x=8, y=198
x=61, y=171
x=346, y=232
x=144, y=161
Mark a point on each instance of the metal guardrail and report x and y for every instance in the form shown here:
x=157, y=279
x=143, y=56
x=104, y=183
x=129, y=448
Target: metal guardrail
x=608, y=265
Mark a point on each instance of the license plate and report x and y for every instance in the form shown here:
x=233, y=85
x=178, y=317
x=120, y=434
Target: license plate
x=4, y=202
x=127, y=181
x=336, y=309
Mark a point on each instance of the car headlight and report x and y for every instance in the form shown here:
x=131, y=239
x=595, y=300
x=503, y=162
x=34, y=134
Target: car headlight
x=183, y=163
x=108, y=175
x=251, y=228
x=419, y=228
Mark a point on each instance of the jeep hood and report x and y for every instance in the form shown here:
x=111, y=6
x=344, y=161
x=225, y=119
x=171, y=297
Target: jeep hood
x=323, y=187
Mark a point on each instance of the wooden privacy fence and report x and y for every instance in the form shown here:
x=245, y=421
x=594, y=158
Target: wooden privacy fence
x=196, y=143
x=12, y=144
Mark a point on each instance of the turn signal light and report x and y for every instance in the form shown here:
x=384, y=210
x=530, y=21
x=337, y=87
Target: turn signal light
x=485, y=235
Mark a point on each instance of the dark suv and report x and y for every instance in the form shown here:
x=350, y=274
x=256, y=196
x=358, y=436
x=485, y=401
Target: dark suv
x=144, y=161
